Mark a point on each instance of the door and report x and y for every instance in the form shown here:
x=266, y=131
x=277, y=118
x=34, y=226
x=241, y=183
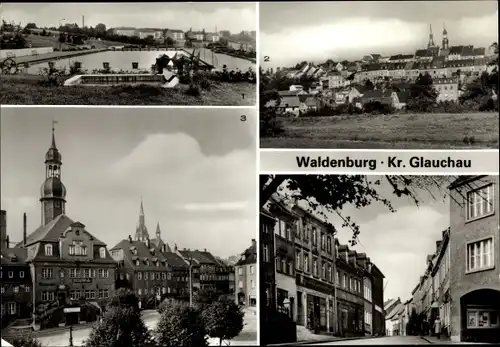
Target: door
x=61, y=298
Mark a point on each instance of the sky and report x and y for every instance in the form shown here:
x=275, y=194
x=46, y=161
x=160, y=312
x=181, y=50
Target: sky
x=398, y=242
x=317, y=31
x=193, y=168
x=234, y=17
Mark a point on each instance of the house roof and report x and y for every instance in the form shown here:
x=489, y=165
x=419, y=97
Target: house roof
x=421, y=53
x=175, y=30
x=144, y=253
x=8, y=253
x=370, y=94
x=51, y=232
x=468, y=50
x=403, y=96
x=479, y=51
x=124, y=28
x=249, y=256
x=456, y=49
x=198, y=256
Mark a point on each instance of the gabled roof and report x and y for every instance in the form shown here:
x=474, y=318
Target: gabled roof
x=468, y=50
x=175, y=30
x=479, y=51
x=143, y=253
x=174, y=260
x=403, y=96
x=249, y=256
x=456, y=49
x=198, y=256
x=51, y=232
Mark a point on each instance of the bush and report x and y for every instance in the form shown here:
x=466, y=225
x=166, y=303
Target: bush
x=204, y=297
x=25, y=341
x=223, y=319
x=193, y=90
x=181, y=326
x=120, y=326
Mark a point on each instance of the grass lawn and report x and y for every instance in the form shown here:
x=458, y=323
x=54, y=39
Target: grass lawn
x=396, y=131
x=26, y=90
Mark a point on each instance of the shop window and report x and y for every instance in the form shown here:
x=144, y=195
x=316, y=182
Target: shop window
x=482, y=319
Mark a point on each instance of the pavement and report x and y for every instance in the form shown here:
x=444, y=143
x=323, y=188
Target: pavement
x=385, y=340
x=58, y=338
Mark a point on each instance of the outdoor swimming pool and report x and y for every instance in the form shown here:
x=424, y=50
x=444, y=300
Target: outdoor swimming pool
x=122, y=60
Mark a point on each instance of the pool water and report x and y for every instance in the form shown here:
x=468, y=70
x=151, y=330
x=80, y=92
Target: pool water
x=122, y=60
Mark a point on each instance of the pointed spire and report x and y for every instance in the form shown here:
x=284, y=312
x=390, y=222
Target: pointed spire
x=158, y=231
x=141, y=212
x=53, y=145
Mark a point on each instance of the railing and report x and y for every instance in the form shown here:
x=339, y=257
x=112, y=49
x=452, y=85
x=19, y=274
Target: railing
x=111, y=79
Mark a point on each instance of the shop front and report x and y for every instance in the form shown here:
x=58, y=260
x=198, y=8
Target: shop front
x=480, y=316
x=351, y=314
x=315, y=305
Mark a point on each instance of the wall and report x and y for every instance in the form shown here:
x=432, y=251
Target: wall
x=10, y=53
x=460, y=233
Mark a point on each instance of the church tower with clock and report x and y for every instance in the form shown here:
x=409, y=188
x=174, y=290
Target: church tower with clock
x=53, y=191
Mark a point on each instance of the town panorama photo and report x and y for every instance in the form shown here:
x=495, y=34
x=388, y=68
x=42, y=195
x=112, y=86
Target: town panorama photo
x=128, y=54
x=379, y=74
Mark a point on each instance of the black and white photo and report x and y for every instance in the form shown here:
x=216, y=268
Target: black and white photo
x=115, y=226
x=379, y=74
x=128, y=54
x=379, y=260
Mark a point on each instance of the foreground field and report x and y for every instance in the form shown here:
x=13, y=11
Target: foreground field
x=396, y=131
x=29, y=91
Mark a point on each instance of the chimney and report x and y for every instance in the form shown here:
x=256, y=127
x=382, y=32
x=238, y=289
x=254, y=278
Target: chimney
x=438, y=244
x=7, y=243
x=254, y=243
x=130, y=239
x=148, y=242
x=205, y=250
x=25, y=226
x=175, y=247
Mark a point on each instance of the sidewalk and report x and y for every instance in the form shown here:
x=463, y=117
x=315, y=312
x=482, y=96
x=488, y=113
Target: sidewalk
x=433, y=339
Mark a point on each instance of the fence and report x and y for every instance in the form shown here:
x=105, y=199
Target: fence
x=13, y=53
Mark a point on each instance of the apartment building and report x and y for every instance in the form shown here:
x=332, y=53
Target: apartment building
x=441, y=297
x=474, y=247
x=245, y=271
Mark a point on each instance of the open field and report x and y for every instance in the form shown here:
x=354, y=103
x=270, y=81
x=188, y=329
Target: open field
x=396, y=131
x=27, y=90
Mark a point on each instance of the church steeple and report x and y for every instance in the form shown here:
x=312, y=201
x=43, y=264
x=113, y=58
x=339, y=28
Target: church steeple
x=445, y=43
x=158, y=232
x=431, y=38
x=53, y=192
x=141, y=232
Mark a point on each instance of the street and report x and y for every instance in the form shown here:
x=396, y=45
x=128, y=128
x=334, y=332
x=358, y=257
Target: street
x=248, y=335
x=388, y=340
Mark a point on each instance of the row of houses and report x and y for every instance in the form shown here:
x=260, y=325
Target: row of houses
x=296, y=100
x=63, y=265
x=177, y=34
x=461, y=281
x=309, y=276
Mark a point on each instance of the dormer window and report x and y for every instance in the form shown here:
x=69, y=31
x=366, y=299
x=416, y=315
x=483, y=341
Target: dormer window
x=48, y=249
x=102, y=252
x=137, y=263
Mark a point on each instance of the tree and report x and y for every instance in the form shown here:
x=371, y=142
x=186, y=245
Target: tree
x=100, y=28
x=205, y=297
x=120, y=326
x=169, y=41
x=181, y=326
x=330, y=193
x=30, y=26
x=223, y=319
x=124, y=298
x=423, y=95
x=369, y=84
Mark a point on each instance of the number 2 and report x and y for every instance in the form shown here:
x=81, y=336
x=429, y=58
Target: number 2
x=266, y=58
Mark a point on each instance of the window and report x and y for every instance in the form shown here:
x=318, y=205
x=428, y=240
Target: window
x=330, y=273
x=297, y=228
x=480, y=255
x=16, y=289
x=240, y=271
x=252, y=269
x=329, y=244
x=283, y=265
x=288, y=233
x=315, y=266
x=102, y=252
x=46, y=273
x=252, y=283
x=323, y=271
x=2, y=290
x=139, y=292
x=306, y=262
x=345, y=281
x=240, y=284
x=298, y=259
x=48, y=249
x=139, y=275
x=314, y=236
x=322, y=241
x=21, y=274
x=290, y=267
x=104, y=273
x=47, y=296
x=482, y=319
x=12, y=308
x=11, y=274
x=27, y=289
x=338, y=277
x=278, y=263
x=480, y=202
x=265, y=253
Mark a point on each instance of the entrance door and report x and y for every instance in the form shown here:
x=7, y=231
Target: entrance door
x=61, y=298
